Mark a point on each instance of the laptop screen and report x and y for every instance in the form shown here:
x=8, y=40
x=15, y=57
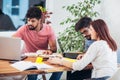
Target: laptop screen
x=10, y=48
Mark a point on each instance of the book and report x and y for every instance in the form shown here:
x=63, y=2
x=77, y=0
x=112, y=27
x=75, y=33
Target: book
x=28, y=65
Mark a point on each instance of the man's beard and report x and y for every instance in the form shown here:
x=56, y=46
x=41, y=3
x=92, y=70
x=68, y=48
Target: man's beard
x=31, y=27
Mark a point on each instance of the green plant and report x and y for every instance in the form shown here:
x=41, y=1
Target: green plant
x=70, y=39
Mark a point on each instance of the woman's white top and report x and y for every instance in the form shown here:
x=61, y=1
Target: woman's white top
x=103, y=59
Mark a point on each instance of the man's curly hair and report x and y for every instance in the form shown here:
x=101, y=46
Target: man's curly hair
x=34, y=12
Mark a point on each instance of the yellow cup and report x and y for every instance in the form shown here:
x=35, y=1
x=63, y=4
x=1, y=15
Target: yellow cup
x=39, y=60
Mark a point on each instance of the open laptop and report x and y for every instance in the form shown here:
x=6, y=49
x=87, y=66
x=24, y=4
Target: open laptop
x=10, y=48
x=72, y=55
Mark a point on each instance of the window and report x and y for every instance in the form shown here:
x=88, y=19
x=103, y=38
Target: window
x=15, y=7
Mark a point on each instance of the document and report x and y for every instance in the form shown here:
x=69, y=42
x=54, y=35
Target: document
x=27, y=65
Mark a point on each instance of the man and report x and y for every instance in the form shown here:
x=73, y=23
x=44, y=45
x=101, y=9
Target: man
x=36, y=35
x=83, y=26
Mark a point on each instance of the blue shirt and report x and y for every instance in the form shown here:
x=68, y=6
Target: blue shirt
x=87, y=44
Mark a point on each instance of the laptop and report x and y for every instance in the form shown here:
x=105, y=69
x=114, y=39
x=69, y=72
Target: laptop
x=10, y=48
x=72, y=55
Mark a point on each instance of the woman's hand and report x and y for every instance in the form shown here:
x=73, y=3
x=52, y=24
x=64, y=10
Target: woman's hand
x=55, y=60
x=60, y=61
x=80, y=56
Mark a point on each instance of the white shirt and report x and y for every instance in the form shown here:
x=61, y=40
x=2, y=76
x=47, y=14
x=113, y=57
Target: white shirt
x=103, y=59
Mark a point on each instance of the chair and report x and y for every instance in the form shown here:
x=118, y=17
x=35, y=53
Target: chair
x=116, y=76
x=43, y=76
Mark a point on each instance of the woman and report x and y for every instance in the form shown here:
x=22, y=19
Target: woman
x=102, y=53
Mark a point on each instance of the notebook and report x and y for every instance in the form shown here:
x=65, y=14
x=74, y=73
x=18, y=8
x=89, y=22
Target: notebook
x=10, y=48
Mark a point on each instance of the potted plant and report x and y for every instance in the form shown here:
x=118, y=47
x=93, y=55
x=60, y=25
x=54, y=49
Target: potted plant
x=69, y=39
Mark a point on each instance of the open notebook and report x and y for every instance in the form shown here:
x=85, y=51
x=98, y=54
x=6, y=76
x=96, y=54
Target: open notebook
x=28, y=65
x=10, y=48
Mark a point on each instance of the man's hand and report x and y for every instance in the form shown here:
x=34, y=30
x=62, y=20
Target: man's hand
x=48, y=52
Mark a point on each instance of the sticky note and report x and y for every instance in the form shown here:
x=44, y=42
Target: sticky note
x=39, y=60
x=70, y=60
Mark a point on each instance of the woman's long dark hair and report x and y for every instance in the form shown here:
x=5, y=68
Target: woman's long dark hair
x=103, y=32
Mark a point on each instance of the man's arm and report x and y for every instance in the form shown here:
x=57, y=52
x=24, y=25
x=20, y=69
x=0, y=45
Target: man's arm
x=13, y=35
x=53, y=46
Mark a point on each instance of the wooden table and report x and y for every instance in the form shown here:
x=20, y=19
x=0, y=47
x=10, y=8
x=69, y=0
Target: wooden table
x=7, y=70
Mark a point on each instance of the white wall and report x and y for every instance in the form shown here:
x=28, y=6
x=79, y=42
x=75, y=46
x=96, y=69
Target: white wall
x=111, y=13
x=59, y=14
